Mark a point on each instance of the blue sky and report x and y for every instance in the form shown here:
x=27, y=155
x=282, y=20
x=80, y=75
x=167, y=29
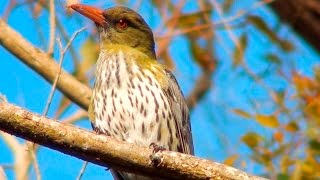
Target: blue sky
x=216, y=130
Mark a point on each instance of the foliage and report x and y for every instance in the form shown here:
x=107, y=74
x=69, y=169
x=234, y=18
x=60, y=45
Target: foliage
x=285, y=139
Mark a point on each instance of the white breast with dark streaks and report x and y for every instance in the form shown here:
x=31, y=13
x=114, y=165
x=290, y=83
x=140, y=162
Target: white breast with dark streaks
x=129, y=103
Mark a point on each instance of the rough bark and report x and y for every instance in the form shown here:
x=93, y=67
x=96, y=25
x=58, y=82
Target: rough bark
x=303, y=16
x=105, y=151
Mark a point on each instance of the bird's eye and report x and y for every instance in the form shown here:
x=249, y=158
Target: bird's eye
x=122, y=24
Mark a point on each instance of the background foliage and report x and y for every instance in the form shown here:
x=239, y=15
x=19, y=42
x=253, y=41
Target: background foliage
x=252, y=84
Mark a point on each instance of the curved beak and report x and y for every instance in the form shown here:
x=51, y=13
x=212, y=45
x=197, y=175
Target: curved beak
x=93, y=13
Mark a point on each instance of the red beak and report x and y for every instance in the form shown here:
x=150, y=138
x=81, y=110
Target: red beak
x=95, y=14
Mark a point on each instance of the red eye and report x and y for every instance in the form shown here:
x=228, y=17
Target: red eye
x=122, y=24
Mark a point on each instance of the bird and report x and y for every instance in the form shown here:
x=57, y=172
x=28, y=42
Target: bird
x=135, y=98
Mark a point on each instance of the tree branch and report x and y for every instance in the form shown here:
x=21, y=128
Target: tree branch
x=303, y=16
x=44, y=65
x=106, y=151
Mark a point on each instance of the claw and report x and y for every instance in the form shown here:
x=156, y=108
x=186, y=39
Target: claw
x=155, y=158
x=156, y=148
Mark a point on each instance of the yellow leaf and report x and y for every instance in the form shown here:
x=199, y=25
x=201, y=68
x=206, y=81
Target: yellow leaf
x=286, y=162
x=231, y=160
x=267, y=120
x=303, y=84
x=241, y=113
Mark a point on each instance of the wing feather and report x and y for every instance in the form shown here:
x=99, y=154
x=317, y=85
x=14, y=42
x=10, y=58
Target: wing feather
x=180, y=112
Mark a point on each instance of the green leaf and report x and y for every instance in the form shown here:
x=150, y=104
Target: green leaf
x=189, y=19
x=260, y=24
x=314, y=144
x=227, y=4
x=251, y=139
x=241, y=113
x=239, y=51
x=292, y=127
x=283, y=177
x=273, y=58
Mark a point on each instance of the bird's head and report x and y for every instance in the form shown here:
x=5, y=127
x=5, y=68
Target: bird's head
x=120, y=26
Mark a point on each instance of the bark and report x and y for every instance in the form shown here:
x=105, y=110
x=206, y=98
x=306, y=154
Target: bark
x=106, y=151
x=303, y=16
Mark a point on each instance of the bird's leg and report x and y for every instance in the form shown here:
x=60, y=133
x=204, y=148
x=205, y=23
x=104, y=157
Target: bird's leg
x=156, y=160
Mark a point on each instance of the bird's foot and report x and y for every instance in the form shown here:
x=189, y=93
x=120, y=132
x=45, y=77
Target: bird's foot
x=155, y=158
x=156, y=148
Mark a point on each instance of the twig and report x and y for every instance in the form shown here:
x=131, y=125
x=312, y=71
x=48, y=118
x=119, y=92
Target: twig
x=137, y=5
x=2, y=174
x=53, y=88
x=3, y=98
x=39, y=61
x=164, y=43
x=202, y=85
x=62, y=54
x=83, y=168
x=224, y=21
x=32, y=150
x=22, y=160
x=7, y=12
x=7, y=166
x=226, y=25
x=52, y=23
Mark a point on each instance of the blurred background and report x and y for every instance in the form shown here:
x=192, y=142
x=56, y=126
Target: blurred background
x=249, y=71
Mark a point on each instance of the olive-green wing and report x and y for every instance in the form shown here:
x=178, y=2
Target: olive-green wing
x=181, y=113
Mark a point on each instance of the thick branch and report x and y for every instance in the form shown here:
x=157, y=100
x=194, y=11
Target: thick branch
x=44, y=65
x=105, y=151
x=303, y=16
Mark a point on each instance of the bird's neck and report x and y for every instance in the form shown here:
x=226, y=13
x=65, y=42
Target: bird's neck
x=137, y=49
x=128, y=60
x=132, y=55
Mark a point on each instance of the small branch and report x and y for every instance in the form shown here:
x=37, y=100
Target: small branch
x=163, y=44
x=202, y=86
x=33, y=156
x=11, y=6
x=21, y=155
x=52, y=22
x=215, y=24
x=302, y=16
x=2, y=174
x=44, y=65
x=106, y=151
x=226, y=25
x=83, y=168
x=62, y=54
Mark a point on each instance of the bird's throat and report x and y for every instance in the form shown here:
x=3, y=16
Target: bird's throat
x=122, y=62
